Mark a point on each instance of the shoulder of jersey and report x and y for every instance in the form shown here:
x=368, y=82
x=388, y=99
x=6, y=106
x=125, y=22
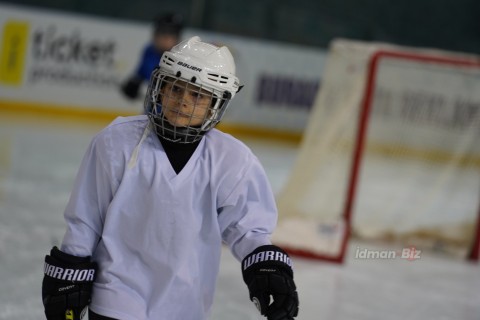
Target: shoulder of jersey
x=123, y=129
x=230, y=144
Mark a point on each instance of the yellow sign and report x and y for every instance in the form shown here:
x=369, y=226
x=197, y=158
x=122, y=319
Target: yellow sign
x=69, y=314
x=14, y=48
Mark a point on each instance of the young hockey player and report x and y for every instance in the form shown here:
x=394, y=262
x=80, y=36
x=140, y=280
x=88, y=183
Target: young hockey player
x=155, y=197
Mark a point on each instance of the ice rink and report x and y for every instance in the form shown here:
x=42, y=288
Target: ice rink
x=38, y=162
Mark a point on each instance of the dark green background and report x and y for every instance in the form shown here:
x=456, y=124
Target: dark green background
x=447, y=24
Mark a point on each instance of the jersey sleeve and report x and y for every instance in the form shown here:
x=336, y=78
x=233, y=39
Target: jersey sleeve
x=86, y=209
x=248, y=215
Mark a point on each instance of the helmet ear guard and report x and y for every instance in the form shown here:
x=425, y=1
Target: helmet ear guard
x=201, y=68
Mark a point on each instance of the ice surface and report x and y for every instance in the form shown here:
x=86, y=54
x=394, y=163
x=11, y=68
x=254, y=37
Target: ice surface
x=39, y=160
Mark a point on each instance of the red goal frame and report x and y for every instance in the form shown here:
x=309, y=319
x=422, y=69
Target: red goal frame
x=362, y=127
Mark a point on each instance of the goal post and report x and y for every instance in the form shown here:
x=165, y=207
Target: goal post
x=391, y=153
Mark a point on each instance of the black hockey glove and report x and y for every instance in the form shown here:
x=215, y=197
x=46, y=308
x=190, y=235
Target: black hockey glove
x=131, y=87
x=267, y=271
x=67, y=285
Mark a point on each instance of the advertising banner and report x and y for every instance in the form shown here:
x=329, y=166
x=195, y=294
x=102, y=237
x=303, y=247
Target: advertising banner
x=69, y=62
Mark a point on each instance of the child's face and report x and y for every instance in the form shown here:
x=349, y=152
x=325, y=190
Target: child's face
x=185, y=104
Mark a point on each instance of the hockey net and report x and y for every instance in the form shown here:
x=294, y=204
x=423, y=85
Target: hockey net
x=391, y=153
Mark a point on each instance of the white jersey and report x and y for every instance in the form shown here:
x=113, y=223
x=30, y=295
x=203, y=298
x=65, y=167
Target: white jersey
x=156, y=235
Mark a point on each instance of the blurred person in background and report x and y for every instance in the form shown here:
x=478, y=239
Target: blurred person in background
x=166, y=34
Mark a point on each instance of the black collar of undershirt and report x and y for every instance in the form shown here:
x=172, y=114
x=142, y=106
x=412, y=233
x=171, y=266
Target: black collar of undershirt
x=178, y=153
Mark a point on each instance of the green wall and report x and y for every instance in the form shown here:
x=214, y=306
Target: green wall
x=447, y=24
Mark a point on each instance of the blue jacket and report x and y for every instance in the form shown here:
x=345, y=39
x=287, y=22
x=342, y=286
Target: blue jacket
x=150, y=60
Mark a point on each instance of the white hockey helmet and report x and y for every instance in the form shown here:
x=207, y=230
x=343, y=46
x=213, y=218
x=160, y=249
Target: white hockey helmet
x=198, y=66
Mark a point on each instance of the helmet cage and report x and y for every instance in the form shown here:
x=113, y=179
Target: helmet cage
x=183, y=110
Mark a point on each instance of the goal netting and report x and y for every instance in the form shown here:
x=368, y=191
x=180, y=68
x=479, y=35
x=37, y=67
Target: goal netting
x=391, y=153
